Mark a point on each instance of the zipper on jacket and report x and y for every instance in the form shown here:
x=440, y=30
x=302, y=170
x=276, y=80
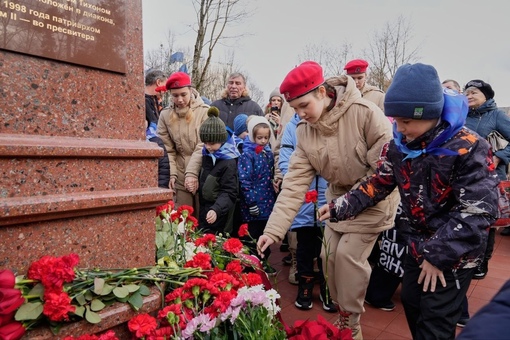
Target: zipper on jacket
x=457, y=283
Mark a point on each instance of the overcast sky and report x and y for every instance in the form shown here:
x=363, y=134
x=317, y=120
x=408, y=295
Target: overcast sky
x=462, y=39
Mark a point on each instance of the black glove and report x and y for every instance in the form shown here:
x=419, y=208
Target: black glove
x=254, y=210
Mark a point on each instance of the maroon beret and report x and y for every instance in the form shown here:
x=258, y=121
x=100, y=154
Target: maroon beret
x=356, y=66
x=178, y=80
x=302, y=80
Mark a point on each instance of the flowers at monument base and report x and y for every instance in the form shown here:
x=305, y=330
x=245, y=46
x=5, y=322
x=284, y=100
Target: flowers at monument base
x=320, y=329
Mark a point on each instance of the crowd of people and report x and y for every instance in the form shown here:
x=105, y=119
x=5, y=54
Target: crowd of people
x=369, y=190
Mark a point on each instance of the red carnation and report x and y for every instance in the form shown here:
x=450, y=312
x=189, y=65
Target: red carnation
x=259, y=149
x=233, y=245
x=142, y=325
x=234, y=267
x=207, y=240
x=243, y=230
x=57, y=306
x=311, y=196
x=185, y=208
x=252, y=279
x=7, y=279
x=200, y=260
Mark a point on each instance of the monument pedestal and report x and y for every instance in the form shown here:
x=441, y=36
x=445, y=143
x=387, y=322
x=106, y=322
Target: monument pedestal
x=76, y=173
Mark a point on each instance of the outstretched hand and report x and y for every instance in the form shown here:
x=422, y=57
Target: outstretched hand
x=263, y=243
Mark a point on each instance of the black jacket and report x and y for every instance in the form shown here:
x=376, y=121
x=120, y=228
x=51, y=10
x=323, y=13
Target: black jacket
x=230, y=109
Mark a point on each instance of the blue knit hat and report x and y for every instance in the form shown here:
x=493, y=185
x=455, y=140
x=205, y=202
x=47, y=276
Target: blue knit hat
x=240, y=124
x=415, y=93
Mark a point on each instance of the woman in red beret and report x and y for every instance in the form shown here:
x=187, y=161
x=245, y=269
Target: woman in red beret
x=340, y=137
x=179, y=128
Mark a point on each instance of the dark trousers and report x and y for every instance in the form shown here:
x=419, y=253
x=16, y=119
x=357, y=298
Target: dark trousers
x=490, y=244
x=309, y=244
x=433, y=315
x=256, y=229
x=381, y=287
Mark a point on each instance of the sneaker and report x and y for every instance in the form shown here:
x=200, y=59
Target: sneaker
x=327, y=302
x=287, y=260
x=481, y=271
x=304, y=298
x=505, y=231
x=387, y=307
x=462, y=322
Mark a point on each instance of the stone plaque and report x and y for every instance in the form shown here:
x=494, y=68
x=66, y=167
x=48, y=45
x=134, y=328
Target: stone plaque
x=84, y=32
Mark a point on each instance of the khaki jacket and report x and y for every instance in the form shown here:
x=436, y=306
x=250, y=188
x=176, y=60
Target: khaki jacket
x=374, y=94
x=179, y=130
x=343, y=147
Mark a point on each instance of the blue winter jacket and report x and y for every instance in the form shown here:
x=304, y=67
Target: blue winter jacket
x=256, y=171
x=486, y=119
x=306, y=216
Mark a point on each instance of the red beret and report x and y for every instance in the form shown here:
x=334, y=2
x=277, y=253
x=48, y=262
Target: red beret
x=178, y=80
x=356, y=66
x=301, y=80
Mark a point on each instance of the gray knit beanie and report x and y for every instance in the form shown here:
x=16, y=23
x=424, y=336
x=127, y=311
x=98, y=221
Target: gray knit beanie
x=213, y=129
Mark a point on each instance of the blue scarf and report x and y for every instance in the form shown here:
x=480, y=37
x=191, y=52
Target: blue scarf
x=151, y=131
x=227, y=151
x=454, y=114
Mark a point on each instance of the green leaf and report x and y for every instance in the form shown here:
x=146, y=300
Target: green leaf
x=88, y=295
x=98, y=285
x=37, y=290
x=132, y=287
x=81, y=299
x=79, y=311
x=96, y=305
x=144, y=290
x=160, y=239
x=107, y=289
x=124, y=299
x=120, y=292
x=136, y=301
x=29, y=311
x=91, y=316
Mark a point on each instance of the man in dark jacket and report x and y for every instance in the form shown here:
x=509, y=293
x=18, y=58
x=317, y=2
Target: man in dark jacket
x=155, y=79
x=235, y=99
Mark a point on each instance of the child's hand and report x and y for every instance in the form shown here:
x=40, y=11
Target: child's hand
x=429, y=275
x=263, y=243
x=211, y=216
x=324, y=212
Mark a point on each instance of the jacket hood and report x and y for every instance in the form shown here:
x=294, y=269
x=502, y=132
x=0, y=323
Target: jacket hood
x=346, y=95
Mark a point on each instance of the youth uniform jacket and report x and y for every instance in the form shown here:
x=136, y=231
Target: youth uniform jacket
x=218, y=188
x=449, y=200
x=182, y=140
x=374, y=94
x=231, y=108
x=343, y=147
x=307, y=216
x=256, y=166
x=486, y=119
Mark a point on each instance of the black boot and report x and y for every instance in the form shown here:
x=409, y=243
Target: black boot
x=327, y=303
x=481, y=270
x=305, y=289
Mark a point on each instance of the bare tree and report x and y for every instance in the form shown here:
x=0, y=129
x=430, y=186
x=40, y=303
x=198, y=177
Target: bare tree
x=332, y=59
x=213, y=19
x=390, y=48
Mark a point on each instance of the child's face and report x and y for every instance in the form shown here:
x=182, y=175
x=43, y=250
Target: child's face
x=414, y=128
x=262, y=136
x=212, y=147
x=181, y=97
x=309, y=107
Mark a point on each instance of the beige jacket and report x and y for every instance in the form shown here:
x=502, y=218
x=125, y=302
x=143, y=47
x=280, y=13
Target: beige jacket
x=374, y=94
x=179, y=130
x=343, y=147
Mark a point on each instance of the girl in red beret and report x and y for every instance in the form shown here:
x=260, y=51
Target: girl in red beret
x=340, y=138
x=179, y=128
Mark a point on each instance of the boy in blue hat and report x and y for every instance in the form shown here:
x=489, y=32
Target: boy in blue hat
x=448, y=188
